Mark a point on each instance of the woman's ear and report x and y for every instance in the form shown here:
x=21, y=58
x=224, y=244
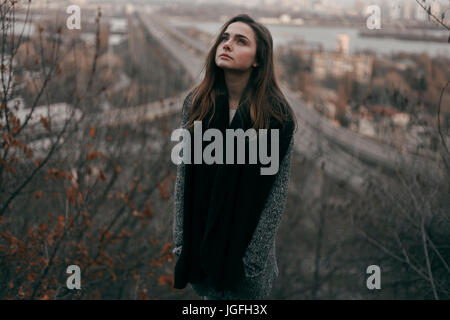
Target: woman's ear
x=255, y=64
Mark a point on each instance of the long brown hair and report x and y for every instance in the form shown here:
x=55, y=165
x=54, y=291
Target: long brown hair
x=262, y=93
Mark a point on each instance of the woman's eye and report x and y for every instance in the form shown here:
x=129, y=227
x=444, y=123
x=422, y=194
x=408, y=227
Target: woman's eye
x=225, y=38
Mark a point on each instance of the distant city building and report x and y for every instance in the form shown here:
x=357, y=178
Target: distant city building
x=269, y=2
x=39, y=3
x=129, y=8
x=407, y=10
x=342, y=40
x=285, y=18
x=421, y=14
x=360, y=7
x=366, y=127
x=338, y=64
x=436, y=9
x=269, y=20
x=400, y=119
x=286, y=3
x=395, y=11
x=80, y=2
x=302, y=5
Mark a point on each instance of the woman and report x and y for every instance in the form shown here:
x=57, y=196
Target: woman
x=227, y=214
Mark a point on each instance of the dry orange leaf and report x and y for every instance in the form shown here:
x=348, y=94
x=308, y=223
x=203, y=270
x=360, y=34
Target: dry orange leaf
x=38, y=194
x=162, y=280
x=45, y=122
x=102, y=175
x=94, y=154
x=92, y=132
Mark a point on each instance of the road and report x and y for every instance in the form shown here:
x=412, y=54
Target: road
x=343, y=154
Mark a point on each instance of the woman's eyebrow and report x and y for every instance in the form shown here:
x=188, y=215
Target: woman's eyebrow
x=237, y=35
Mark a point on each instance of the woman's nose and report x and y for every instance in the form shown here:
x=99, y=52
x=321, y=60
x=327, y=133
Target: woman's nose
x=227, y=44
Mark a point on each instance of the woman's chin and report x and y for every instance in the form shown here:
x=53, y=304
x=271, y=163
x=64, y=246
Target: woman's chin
x=229, y=67
x=223, y=64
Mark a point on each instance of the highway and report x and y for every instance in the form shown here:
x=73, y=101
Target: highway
x=343, y=154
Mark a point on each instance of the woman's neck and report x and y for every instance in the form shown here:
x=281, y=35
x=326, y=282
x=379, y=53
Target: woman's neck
x=236, y=83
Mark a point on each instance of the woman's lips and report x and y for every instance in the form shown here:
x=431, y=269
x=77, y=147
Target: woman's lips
x=224, y=56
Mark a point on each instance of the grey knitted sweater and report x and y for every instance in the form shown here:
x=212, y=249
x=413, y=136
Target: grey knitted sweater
x=259, y=260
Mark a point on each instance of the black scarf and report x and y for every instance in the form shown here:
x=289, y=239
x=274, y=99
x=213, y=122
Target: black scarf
x=222, y=205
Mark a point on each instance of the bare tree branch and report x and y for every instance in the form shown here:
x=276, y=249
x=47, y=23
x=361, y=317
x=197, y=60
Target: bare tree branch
x=428, y=11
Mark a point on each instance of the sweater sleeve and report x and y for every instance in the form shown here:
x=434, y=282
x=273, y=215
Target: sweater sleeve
x=179, y=191
x=263, y=238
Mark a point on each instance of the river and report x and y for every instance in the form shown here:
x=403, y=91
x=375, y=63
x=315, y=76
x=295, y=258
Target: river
x=326, y=36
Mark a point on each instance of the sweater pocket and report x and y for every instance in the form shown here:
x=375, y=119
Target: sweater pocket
x=252, y=270
x=254, y=265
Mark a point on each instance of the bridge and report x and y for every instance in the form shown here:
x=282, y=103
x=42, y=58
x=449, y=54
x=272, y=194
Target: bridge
x=343, y=154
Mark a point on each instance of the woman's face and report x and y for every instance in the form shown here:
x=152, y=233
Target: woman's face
x=239, y=43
